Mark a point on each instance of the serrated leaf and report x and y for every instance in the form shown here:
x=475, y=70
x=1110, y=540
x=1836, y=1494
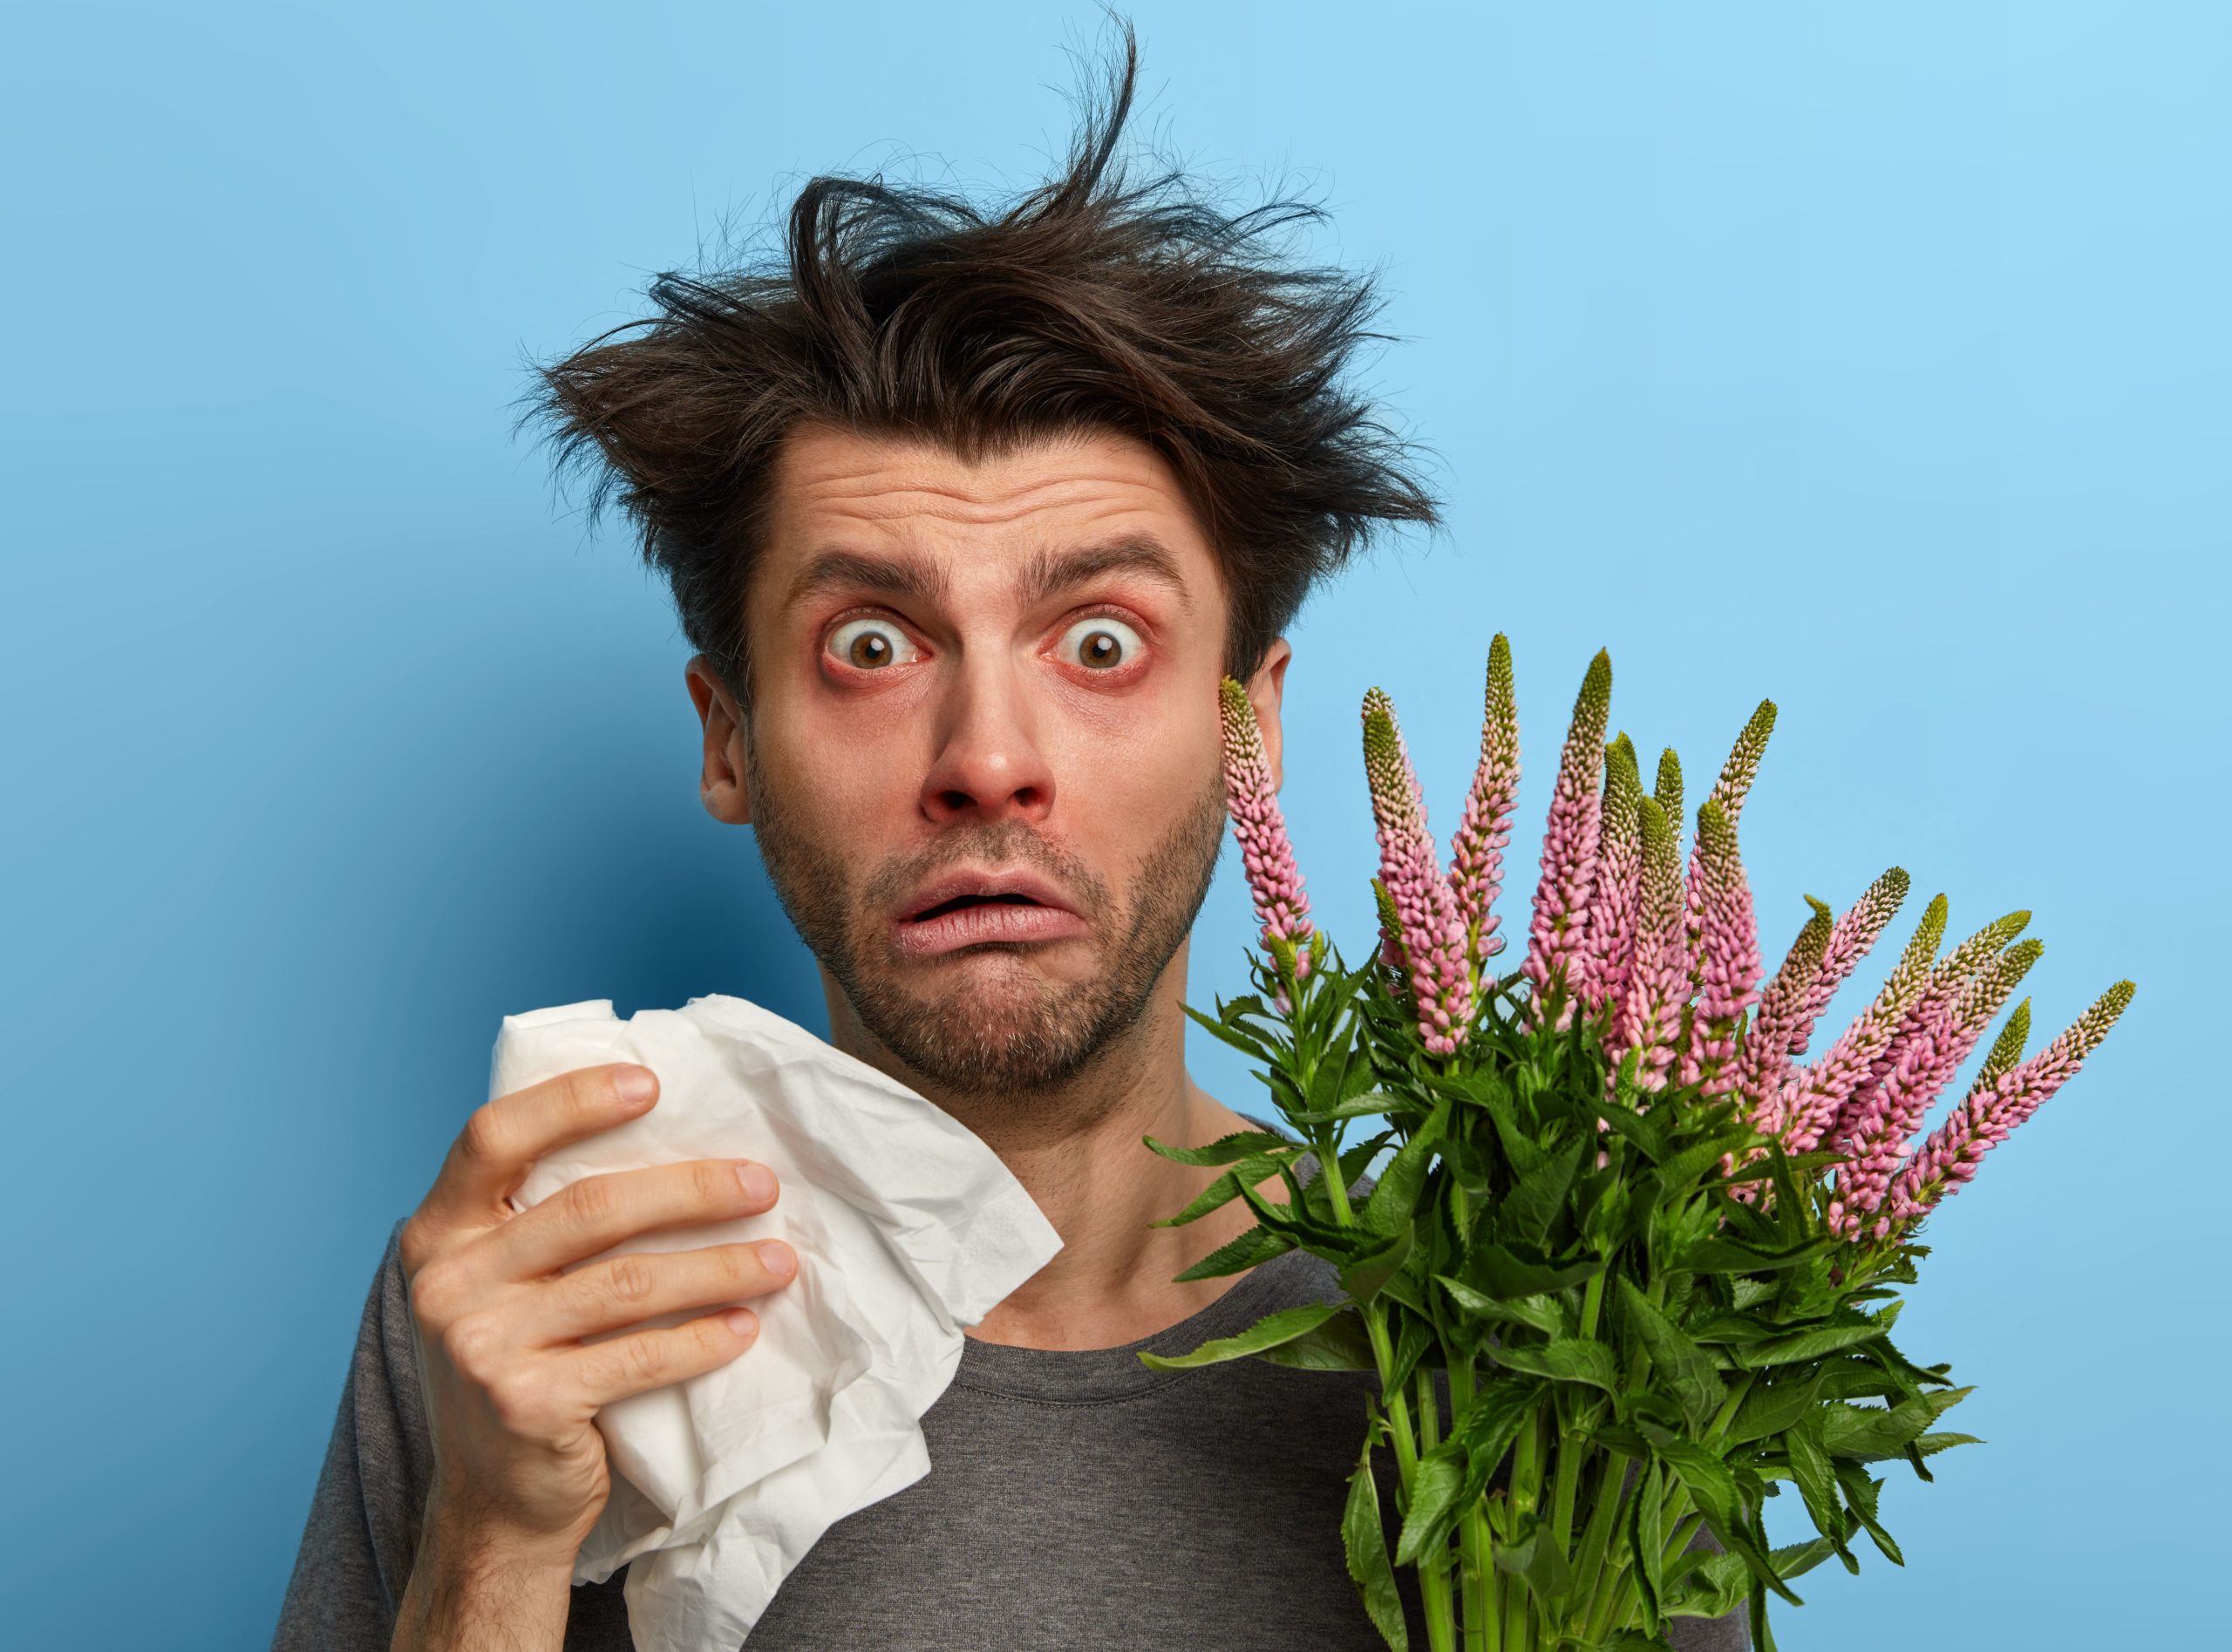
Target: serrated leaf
x=1801, y=1346
x=1434, y=1507
x=1364, y=1541
x=1526, y=1213
x=1363, y=1278
x=1226, y=1150
x=1256, y=1245
x=1340, y=1344
x=1545, y=1313
x=1395, y=1196
x=1223, y=1190
x=1565, y=1360
x=1245, y=1042
x=1495, y=1270
x=1647, y=1538
x=1687, y=1370
x=1726, y=1256
x=1817, y=1482
x=1269, y=1331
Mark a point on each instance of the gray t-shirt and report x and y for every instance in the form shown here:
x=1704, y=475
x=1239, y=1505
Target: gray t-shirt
x=1077, y=1498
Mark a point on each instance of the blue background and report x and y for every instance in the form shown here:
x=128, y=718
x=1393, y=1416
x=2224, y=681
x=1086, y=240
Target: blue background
x=1872, y=358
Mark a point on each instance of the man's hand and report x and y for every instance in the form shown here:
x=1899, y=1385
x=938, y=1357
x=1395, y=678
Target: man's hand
x=512, y=1392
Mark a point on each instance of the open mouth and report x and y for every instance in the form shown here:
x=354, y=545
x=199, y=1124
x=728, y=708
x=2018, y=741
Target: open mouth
x=962, y=902
x=978, y=917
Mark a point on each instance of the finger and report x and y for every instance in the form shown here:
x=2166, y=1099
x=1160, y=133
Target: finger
x=623, y=1290
x=596, y=1212
x=603, y=1372
x=502, y=1139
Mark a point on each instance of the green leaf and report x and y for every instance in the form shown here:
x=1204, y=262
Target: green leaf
x=1817, y=1482
x=1861, y=1492
x=1801, y=1346
x=1340, y=1344
x=1366, y=1542
x=1412, y=1345
x=1363, y=1277
x=1370, y=1104
x=1871, y=1432
x=1223, y=1190
x=1495, y=1270
x=1647, y=1538
x=1434, y=1506
x=1545, y=1313
x=1247, y=1043
x=1480, y=1440
x=1529, y=1210
x=1769, y=1408
x=1687, y=1370
x=1645, y=1132
x=1726, y=1256
x=1395, y=1195
x=1268, y=1332
x=1565, y=1360
x=1226, y=1150
x=1256, y=1245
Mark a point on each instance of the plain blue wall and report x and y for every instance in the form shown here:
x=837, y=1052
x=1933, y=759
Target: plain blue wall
x=1873, y=358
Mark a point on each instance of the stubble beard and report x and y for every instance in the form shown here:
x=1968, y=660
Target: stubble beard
x=998, y=1031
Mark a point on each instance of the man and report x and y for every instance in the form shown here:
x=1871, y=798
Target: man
x=966, y=516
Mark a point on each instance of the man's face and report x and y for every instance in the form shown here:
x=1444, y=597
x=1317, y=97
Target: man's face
x=983, y=756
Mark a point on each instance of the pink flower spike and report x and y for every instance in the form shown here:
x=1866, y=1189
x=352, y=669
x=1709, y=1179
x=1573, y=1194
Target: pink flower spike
x=1557, y=938
x=1618, y=894
x=1273, y=880
x=1764, y=1061
x=1814, y=1099
x=1729, y=791
x=1728, y=956
x=1476, y=853
x=1944, y=1026
x=1658, y=983
x=1418, y=896
x=2003, y=1097
x=1855, y=932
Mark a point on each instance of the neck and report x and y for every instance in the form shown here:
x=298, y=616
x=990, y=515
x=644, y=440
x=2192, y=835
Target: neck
x=1076, y=1148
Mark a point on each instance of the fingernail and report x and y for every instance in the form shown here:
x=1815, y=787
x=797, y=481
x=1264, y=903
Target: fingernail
x=759, y=1181
x=742, y=1321
x=776, y=1257
x=636, y=1084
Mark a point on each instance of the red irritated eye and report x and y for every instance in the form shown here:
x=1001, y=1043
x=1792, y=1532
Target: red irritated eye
x=870, y=644
x=1100, y=643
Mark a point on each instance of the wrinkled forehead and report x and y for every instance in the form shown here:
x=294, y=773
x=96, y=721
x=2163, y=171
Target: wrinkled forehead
x=1003, y=528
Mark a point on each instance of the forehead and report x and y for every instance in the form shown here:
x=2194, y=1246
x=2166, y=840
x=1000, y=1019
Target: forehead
x=980, y=523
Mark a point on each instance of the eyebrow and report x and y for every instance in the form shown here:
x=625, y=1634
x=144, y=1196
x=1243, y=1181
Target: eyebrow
x=850, y=571
x=1047, y=574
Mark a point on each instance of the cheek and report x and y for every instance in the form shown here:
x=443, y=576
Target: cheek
x=847, y=774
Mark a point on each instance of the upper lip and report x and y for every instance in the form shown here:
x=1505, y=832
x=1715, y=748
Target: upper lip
x=957, y=885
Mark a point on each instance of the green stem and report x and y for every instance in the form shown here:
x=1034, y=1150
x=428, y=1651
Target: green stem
x=1433, y=1581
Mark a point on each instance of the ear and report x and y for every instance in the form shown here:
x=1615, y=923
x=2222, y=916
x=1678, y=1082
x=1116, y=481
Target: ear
x=723, y=786
x=1265, y=690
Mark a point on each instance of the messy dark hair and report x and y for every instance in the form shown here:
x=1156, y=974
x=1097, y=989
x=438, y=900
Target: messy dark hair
x=1094, y=302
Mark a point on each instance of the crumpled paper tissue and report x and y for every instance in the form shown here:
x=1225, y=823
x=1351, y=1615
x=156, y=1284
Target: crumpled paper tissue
x=907, y=1229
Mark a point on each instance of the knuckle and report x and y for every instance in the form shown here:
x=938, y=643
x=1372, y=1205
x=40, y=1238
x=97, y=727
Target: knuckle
x=524, y=1406
x=631, y=1280
x=474, y=1343
x=482, y=1138
x=590, y=1202
x=715, y=1183
x=434, y=1291
x=742, y=1268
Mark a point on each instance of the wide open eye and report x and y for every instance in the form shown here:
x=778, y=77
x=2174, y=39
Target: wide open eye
x=1100, y=643
x=871, y=644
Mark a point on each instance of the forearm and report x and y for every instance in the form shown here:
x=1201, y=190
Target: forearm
x=473, y=1593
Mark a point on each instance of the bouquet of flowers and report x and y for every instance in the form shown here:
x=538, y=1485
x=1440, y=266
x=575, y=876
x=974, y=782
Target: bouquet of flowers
x=1634, y=1265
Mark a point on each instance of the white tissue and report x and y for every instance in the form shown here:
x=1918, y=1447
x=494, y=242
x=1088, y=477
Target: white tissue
x=907, y=1229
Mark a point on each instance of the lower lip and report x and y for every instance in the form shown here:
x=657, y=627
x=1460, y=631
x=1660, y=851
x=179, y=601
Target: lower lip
x=995, y=923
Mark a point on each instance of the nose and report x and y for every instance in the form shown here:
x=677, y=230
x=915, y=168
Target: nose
x=989, y=764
